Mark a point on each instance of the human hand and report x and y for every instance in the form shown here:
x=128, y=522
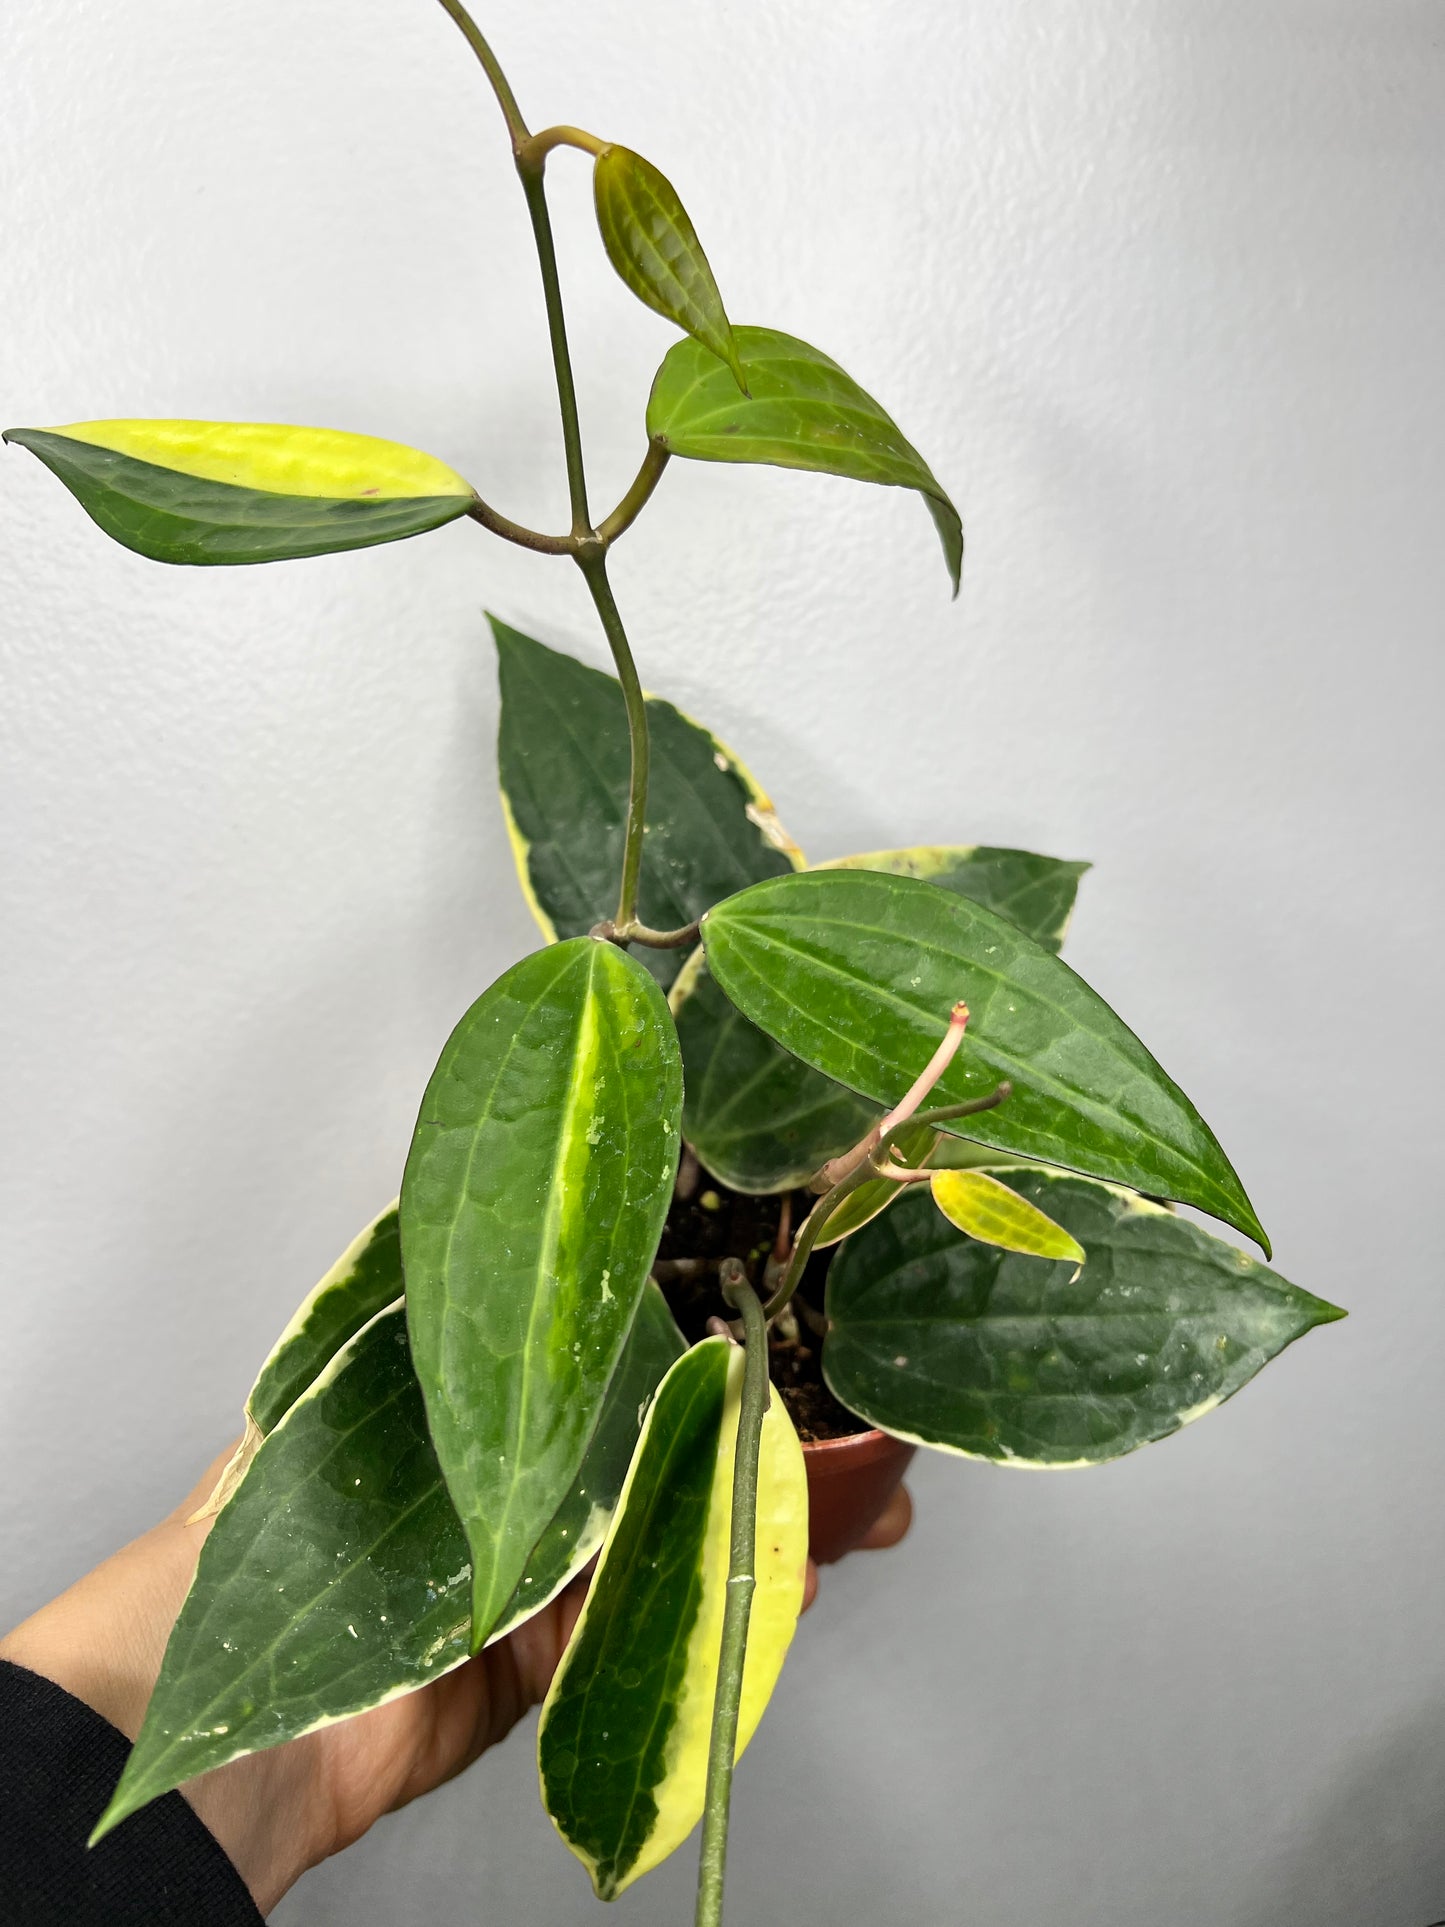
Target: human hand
x=278, y=1812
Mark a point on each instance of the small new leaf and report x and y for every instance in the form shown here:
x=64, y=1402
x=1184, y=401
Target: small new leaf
x=623, y=1739
x=654, y=248
x=987, y=1210
x=801, y=411
x=244, y=492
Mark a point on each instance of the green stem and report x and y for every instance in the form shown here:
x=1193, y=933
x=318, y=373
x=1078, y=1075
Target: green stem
x=588, y=549
x=534, y=187
x=506, y=99
x=808, y=1236
x=593, y=563
x=683, y=938
x=540, y=145
x=637, y=497
x=511, y=531
x=737, y=1608
x=950, y=1113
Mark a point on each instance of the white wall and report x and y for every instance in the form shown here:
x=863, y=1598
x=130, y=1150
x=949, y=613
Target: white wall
x=1160, y=289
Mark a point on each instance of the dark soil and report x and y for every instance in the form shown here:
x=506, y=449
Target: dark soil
x=714, y=1223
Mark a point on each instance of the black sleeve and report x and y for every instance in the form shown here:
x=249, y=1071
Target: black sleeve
x=59, y=1762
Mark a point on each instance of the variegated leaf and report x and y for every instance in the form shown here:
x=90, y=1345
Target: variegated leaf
x=563, y=760
x=539, y=1177
x=364, y=1279
x=984, y=1207
x=241, y=492
x=623, y=1739
x=338, y=1577
x=1035, y=1362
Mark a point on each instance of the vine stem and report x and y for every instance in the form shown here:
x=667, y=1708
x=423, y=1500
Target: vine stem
x=738, y=1605
x=501, y=87
x=593, y=564
x=587, y=547
x=534, y=187
x=637, y=496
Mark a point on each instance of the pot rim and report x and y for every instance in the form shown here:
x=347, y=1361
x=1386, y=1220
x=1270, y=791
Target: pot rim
x=868, y=1441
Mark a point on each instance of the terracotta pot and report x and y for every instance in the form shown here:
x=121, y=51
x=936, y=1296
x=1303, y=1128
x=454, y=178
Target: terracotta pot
x=850, y=1481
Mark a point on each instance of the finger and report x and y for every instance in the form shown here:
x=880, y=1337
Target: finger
x=810, y=1587
x=891, y=1524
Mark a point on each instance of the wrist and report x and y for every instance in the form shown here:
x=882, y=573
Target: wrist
x=102, y=1641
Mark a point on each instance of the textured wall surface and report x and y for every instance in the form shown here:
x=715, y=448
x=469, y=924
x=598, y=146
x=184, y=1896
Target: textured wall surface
x=1160, y=290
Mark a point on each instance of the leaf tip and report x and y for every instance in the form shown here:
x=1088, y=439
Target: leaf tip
x=121, y=1807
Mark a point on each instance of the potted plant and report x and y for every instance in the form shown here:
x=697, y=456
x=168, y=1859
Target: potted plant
x=750, y=1180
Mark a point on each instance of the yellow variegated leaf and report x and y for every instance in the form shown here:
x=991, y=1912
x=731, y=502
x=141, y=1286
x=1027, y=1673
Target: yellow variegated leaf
x=363, y=1281
x=623, y=1738
x=241, y=492
x=987, y=1210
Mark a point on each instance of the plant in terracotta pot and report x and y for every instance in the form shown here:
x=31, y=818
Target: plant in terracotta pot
x=753, y=1178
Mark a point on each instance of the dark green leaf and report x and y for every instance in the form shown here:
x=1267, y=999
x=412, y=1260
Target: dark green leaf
x=534, y=1196
x=654, y=247
x=363, y=1281
x=762, y=1121
x=563, y=759
x=338, y=1578
x=856, y=973
x=241, y=492
x=1035, y=892
x=758, y=1118
x=623, y=1739
x=801, y=411
x=1028, y=1361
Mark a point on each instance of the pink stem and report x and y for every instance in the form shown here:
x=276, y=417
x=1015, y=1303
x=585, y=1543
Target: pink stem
x=839, y=1168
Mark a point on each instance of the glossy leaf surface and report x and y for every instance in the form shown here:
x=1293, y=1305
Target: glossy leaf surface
x=539, y=1177
x=801, y=411
x=956, y=1344
x=856, y=972
x=563, y=759
x=338, y=1577
x=654, y=248
x=242, y=492
x=363, y=1281
x=1035, y=892
x=760, y=1119
x=622, y=1743
x=984, y=1207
